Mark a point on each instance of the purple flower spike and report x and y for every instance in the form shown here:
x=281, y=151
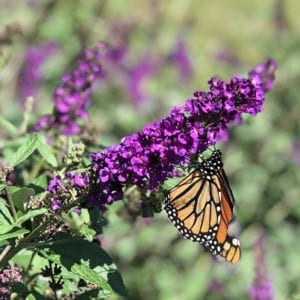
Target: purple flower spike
x=146, y=158
x=31, y=74
x=262, y=288
x=71, y=98
x=137, y=77
x=182, y=61
x=261, y=292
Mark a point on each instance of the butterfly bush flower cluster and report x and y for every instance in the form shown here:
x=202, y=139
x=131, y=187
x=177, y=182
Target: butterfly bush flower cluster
x=72, y=97
x=7, y=278
x=146, y=158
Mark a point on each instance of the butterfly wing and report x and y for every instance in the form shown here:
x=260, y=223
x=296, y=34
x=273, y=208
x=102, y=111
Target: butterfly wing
x=201, y=208
x=231, y=246
x=193, y=206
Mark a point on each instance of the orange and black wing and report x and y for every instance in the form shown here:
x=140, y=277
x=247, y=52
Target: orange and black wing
x=230, y=246
x=194, y=207
x=201, y=208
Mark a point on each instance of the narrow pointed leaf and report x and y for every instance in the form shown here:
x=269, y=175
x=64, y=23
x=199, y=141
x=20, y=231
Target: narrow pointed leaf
x=91, y=276
x=20, y=196
x=31, y=214
x=25, y=150
x=15, y=232
x=5, y=215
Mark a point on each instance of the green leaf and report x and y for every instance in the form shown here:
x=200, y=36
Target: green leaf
x=29, y=259
x=40, y=181
x=30, y=297
x=30, y=214
x=39, y=185
x=16, y=142
x=8, y=126
x=15, y=232
x=3, y=243
x=13, y=189
x=88, y=232
x=116, y=282
x=46, y=151
x=80, y=223
x=20, y=196
x=19, y=288
x=6, y=228
x=89, y=275
x=2, y=187
x=78, y=249
x=5, y=215
x=84, y=259
x=25, y=150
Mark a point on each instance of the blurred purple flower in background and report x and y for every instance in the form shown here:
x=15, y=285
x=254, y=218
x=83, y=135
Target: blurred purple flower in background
x=116, y=54
x=7, y=278
x=227, y=57
x=31, y=75
x=182, y=61
x=296, y=152
x=261, y=288
x=120, y=32
x=72, y=97
x=146, y=158
x=216, y=287
x=138, y=75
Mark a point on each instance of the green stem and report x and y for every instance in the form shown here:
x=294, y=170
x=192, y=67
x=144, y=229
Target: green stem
x=5, y=251
x=51, y=243
x=11, y=203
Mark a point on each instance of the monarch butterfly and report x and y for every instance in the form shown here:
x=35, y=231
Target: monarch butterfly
x=201, y=208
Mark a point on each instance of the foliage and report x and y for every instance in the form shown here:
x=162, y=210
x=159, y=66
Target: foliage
x=73, y=250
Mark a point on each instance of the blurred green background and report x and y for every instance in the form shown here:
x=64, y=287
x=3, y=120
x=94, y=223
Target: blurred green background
x=262, y=157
